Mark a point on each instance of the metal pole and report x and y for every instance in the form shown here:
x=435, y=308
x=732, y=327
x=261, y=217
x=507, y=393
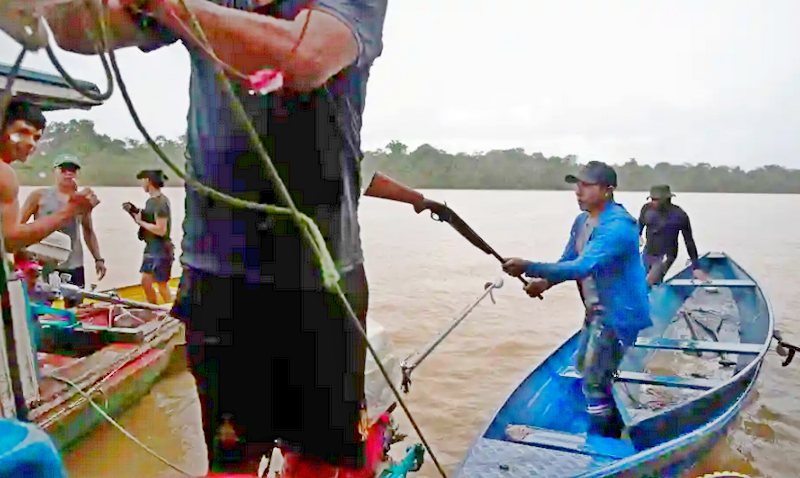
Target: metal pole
x=21, y=407
x=72, y=289
x=409, y=365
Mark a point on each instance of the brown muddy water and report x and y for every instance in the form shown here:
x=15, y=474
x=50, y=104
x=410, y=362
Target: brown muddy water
x=422, y=274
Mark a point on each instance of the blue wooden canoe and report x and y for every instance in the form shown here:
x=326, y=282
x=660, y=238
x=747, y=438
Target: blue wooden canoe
x=540, y=430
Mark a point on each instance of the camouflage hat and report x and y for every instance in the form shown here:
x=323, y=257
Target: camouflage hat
x=660, y=191
x=63, y=159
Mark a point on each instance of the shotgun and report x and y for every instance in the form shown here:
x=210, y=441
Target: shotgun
x=382, y=186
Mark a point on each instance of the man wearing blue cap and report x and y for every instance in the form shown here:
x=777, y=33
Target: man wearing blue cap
x=602, y=255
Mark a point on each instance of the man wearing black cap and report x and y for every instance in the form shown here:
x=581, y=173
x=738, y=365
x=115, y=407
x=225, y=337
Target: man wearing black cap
x=664, y=221
x=602, y=256
x=155, y=223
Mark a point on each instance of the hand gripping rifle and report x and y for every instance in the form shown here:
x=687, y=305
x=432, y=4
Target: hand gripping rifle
x=382, y=186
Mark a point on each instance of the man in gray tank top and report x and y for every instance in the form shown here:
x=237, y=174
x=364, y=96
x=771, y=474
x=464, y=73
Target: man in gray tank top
x=47, y=201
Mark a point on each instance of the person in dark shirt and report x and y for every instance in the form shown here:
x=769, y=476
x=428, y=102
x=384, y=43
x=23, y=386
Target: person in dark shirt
x=664, y=221
x=155, y=223
x=251, y=294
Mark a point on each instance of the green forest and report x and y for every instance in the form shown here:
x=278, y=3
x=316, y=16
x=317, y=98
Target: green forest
x=114, y=162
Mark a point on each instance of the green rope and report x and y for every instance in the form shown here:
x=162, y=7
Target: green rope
x=320, y=251
x=311, y=233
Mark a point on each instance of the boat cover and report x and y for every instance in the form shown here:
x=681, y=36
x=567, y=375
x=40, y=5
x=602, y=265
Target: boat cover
x=26, y=451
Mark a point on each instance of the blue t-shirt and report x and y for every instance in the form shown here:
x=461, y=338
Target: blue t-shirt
x=232, y=242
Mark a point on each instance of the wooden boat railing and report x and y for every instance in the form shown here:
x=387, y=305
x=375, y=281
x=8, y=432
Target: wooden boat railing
x=711, y=283
x=699, y=345
x=650, y=379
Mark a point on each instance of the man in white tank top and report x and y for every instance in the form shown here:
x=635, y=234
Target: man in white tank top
x=46, y=201
x=20, y=130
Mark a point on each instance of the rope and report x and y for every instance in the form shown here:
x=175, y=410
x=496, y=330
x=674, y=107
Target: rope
x=308, y=227
x=72, y=82
x=5, y=98
x=118, y=426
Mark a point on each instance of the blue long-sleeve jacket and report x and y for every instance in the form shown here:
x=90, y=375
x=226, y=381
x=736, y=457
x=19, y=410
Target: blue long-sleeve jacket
x=612, y=257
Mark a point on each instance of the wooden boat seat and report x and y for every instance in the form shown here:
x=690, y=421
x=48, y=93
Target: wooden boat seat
x=650, y=379
x=716, y=255
x=699, y=345
x=712, y=283
x=578, y=443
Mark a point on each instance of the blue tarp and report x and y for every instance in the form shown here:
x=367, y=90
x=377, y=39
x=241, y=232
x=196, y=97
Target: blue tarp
x=27, y=451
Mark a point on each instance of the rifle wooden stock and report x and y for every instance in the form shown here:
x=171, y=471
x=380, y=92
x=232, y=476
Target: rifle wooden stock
x=382, y=186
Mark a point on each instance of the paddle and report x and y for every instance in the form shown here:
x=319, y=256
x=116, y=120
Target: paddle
x=694, y=334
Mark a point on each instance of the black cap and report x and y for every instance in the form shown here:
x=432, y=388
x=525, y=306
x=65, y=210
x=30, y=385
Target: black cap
x=156, y=175
x=595, y=172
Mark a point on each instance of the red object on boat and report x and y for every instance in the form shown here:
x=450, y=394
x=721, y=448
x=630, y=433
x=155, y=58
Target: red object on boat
x=295, y=467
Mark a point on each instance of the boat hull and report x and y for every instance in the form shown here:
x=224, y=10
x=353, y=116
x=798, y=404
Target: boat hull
x=116, y=369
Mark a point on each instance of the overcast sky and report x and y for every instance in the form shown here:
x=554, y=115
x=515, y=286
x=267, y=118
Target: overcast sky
x=659, y=80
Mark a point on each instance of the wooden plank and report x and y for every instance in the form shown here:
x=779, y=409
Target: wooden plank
x=699, y=345
x=678, y=382
x=716, y=255
x=712, y=283
x=649, y=379
x=579, y=443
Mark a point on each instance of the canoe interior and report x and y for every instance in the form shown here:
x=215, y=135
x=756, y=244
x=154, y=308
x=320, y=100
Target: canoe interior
x=667, y=393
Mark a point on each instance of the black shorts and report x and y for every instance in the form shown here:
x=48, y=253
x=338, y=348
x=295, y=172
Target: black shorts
x=286, y=364
x=157, y=266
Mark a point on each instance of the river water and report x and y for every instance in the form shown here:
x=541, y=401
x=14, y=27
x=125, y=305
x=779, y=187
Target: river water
x=422, y=274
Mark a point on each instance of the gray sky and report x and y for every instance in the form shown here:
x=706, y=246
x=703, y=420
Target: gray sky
x=714, y=81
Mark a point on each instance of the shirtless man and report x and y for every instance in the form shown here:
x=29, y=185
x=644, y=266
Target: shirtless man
x=19, y=134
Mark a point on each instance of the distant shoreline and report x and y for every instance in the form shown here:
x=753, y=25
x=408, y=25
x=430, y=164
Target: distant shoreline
x=446, y=188
x=109, y=162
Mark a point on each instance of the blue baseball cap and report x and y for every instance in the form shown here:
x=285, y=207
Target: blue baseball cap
x=594, y=172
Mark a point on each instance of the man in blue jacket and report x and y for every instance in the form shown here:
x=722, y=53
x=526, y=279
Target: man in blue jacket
x=602, y=255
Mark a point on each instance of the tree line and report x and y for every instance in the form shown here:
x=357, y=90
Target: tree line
x=114, y=162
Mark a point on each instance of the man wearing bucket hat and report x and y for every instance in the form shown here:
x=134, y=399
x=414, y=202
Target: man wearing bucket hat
x=602, y=256
x=46, y=201
x=664, y=221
